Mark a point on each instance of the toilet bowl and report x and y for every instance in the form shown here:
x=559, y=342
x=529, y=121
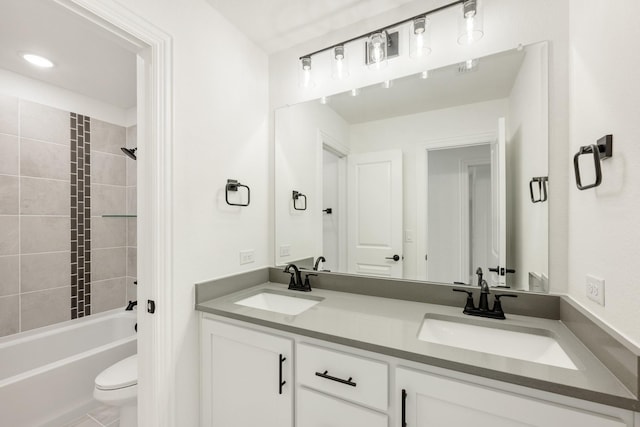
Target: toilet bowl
x=118, y=386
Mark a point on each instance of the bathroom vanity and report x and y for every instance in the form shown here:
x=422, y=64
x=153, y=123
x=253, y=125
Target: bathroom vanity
x=344, y=359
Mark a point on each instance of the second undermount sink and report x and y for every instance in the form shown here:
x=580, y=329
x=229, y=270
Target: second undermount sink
x=531, y=344
x=275, y=301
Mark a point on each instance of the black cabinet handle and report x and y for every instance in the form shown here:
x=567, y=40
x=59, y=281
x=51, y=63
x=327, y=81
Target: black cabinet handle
x=404, y=408
x=280, y=382
x=340, y=380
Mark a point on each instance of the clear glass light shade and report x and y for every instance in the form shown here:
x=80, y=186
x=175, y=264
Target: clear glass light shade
x=470, y=22
x=339, y=63
x=305, y=76
x=377, y=50
x=419, y=38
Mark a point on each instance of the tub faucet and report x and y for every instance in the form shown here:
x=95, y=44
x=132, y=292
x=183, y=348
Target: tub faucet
x=317, y=264
x=131, y=305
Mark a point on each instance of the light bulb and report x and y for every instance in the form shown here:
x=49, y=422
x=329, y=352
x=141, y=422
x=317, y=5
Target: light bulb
x=377, y=50
x=470, y=22
x=339, y=67
x=305, y=72
x=419, y=38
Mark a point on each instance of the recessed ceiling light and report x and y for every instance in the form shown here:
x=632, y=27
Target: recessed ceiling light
x=37, y=60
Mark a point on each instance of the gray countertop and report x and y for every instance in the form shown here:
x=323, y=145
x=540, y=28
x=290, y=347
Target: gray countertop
x=391, y=327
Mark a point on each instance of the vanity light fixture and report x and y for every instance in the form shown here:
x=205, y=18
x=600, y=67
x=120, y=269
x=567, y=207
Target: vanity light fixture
x=339, y=64
x=37, y=60
x=377, y=50
x=305, y=72
x=383, y=43
x=470, y=22
x=419, y=38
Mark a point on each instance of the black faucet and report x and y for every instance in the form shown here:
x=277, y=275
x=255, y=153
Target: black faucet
x=131, y=305
x=295, y=283
x=317, y=264
x=483, y=306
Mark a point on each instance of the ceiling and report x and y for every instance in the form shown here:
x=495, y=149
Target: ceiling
x=276, y=25
x=446, y=87
x=88, y=60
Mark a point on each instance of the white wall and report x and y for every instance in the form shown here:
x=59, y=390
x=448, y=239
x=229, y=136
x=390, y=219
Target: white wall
x=406, y=133
x=604, y=230
x=527, y=151
x=507, y=23
x=298, y=159
x=220, y=113
x=43, y=93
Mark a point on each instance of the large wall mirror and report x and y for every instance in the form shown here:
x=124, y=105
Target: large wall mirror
x=427, y=177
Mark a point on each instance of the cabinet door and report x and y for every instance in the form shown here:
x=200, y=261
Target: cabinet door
x=246, y=377
x=319, y=410
x=435, y=401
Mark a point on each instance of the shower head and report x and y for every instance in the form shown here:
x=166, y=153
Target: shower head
x=131, y=152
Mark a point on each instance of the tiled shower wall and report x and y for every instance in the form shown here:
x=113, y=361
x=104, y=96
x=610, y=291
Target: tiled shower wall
x=36, y=208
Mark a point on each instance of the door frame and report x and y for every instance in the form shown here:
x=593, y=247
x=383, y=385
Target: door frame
x=153, y=47
x=422, y=186
x=325, y=141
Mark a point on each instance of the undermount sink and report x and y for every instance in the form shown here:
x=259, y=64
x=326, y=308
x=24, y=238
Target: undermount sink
x=280, y=302
x=531, y=344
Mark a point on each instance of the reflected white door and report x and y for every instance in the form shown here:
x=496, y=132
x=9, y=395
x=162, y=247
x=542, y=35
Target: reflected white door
x=499, y=205
x=375, y=213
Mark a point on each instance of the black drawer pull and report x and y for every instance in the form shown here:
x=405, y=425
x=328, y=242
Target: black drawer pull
x=340, y=380
x=404, y=408
x=280, y=382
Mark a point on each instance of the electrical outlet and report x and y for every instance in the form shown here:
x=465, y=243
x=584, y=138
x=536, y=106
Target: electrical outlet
x=248, y=256
x=285, y=250
x=595, y=289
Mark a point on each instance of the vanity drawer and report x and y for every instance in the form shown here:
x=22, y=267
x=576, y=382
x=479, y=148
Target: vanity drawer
x=344, y=375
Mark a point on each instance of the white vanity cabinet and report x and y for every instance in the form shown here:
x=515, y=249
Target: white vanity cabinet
x=246, y=377
x=431, y=400
x=337, y=389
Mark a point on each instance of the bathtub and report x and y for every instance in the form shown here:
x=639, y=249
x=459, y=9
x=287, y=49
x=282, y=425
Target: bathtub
x=46, y=375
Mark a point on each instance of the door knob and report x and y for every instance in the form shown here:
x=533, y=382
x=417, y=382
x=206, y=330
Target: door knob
x=395, y=257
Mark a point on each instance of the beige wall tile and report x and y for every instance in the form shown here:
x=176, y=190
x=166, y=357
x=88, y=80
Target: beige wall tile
x=107, y=137
x=45, y=234
x=8, y=115
x=9, y=315
x=44, y=160
x=108, y=169
x=132, y=201
x=132, y=232
x=132, y=259
x=44, y=308
x=8, y=195
x=108, y=232
x=9, y=275
x=44, y=123
x=108, y=263
x=107, y=199
x=132, y=289
x=108, y=294
x=8, y=154
x=44, y=197
x=9, y=235
x=45, y=271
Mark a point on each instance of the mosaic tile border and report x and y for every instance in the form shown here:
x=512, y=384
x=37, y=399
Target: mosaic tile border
x=80, y=150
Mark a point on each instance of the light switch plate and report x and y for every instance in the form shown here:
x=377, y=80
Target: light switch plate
x=595, y=289
x=248, y=256
x=285, y=250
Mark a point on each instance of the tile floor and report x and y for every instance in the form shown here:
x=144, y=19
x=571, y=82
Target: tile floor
x=103, y=416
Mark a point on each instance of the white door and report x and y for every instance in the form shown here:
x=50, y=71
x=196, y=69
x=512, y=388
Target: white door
x=433, y=401
x=330, y=210
x=375, y=213
x=498, y=258
x=246, y=377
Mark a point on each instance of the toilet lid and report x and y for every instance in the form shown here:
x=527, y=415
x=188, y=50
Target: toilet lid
x=119, y=375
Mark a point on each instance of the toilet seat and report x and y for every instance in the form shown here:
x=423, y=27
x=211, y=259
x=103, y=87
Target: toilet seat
x=119, y=375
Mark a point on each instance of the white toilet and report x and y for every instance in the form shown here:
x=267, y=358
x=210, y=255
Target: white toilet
x=118, y=386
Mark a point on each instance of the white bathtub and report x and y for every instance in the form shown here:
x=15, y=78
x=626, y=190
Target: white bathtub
x=46, y=375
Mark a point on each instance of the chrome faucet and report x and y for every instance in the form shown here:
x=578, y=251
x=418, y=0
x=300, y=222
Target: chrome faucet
x=317, y=264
